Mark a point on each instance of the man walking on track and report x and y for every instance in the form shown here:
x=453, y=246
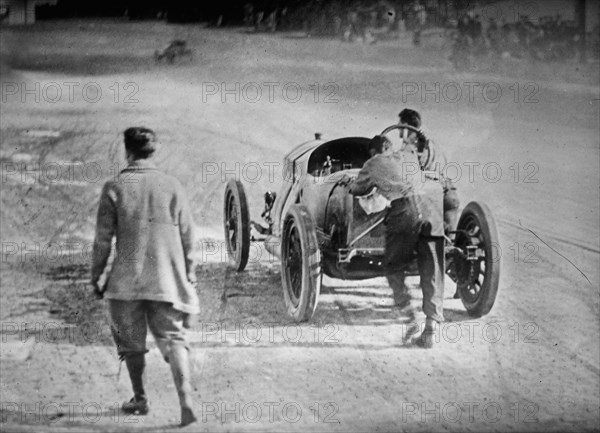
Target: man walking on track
x=152, y=280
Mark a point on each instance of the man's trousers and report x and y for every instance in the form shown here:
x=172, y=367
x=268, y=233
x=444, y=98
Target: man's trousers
x=403, y=240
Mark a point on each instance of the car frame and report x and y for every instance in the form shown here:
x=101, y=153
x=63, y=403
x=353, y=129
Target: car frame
x=316, y=227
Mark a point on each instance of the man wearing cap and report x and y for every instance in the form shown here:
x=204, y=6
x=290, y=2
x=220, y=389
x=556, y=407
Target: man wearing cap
x=393, y=174
x=152, y=280
x=432, y=159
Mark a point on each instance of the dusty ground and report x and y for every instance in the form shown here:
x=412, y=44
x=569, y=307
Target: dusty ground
x=532, y=364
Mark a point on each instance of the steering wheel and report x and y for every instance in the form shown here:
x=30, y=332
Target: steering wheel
x=401, y=126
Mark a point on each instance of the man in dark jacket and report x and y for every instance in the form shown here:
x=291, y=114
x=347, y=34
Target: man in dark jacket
x=151, y=282
x=393, y=174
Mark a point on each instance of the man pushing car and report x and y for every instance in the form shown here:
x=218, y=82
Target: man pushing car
x=408, y=227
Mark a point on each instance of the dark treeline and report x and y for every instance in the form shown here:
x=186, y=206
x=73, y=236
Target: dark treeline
x=228, y=11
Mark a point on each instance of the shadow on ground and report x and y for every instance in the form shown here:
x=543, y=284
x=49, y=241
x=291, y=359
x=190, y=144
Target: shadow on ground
x=228, y=297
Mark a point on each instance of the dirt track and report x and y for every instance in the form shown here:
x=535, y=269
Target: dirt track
x=532, y=364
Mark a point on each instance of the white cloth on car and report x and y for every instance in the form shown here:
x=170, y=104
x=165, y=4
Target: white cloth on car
x=373, y=202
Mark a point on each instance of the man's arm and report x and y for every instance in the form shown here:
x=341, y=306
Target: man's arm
x=186, y=231
x=106, y=224
x=364, y=183
x=435, y=163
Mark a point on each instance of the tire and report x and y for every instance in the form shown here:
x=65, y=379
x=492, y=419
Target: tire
x=300, y=264
x=478, y=280
x=236, y=222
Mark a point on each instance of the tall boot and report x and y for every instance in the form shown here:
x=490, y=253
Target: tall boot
x=180, y=367
x=136, y=363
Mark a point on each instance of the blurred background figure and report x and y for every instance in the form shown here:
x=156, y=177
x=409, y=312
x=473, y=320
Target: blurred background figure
x=420, y=18
x=248, y=14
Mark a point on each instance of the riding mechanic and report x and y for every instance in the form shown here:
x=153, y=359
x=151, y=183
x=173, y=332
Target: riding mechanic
x=433, y=160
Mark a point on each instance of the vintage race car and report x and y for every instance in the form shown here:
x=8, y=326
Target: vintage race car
x=315, y=226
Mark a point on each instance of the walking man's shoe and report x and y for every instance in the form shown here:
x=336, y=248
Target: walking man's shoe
x=136, y=406
x=187, y=417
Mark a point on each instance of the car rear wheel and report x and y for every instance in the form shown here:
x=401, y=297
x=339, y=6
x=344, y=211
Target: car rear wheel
x=300, y=264
x=478, y=272
x=236, y=221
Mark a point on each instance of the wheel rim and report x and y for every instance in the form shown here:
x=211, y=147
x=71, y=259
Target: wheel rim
x=472, y=274
x=231, y=219
x=293, y=268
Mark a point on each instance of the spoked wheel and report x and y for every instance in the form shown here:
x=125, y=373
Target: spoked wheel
x=236, y=220
x=300, y=264
x=478, y=270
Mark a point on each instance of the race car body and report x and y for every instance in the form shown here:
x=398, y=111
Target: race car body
x=316, y=226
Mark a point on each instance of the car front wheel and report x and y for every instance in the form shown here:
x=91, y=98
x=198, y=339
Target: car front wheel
x=300, y=264
x=236, y=222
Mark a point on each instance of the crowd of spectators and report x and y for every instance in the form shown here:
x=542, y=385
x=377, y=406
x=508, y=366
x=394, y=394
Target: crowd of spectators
x=548, y=38
x=350, y=20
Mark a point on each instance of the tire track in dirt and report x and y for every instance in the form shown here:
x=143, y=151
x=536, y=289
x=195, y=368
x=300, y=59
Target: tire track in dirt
x=554, y=236
x=547, y=264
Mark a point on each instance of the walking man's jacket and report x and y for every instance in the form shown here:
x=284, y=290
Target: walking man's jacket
x=149, y=213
